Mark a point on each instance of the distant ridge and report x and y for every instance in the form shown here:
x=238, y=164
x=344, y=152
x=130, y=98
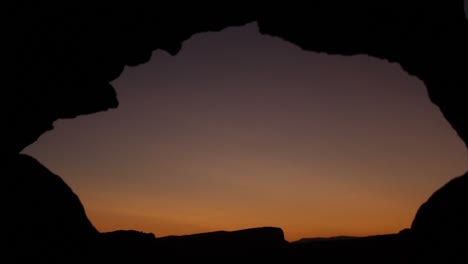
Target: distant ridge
x=251, y=237
x=320, y=239
x=264, y=242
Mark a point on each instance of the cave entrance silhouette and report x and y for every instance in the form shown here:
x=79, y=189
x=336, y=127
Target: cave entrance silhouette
x=236, y=119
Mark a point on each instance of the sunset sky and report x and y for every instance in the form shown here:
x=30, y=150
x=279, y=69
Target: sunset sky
x=241, y=130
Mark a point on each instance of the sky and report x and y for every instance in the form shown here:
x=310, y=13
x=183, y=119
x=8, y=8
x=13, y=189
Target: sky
x=241, y=130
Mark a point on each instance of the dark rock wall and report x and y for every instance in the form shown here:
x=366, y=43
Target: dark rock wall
x=44, y=219
x=444, y=216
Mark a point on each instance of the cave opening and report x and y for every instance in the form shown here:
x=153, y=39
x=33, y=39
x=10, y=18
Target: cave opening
x=242, y=130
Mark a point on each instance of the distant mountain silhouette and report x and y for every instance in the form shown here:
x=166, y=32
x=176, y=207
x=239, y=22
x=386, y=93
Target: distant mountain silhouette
x=138, y=247
x=259, y=242
x=391, y=248
x=128, y=236
x=321, y=239
x=125, y=246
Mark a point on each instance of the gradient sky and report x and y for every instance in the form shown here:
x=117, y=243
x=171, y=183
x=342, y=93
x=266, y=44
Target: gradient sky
x=242, y=130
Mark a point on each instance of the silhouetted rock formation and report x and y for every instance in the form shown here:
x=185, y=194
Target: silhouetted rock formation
x=391, y=248
x=443, y=219
x=45, y=220
x=61, y=58
x=127, y=237
x=323, y=239
x=266, y=241
x=125, y=246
